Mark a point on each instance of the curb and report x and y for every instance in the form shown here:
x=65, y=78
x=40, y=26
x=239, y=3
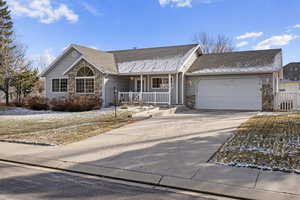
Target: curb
x=205, y=187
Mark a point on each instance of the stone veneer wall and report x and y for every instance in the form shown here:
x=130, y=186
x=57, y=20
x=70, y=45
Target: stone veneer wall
x=72, y=75
x=267, y=91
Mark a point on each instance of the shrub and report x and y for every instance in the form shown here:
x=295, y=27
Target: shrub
x=75, y=104
x=37, y=103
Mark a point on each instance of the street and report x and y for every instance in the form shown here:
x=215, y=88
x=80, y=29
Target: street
x=27, y=183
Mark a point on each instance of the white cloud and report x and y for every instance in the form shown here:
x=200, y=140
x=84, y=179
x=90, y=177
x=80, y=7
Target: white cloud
x=241, y=44
x=280, y=40
x=93, y=47
x=43, y=10
x=91, y=9
x=250, y=35
x=297, y=26
x=183, y=3
x=176, y=3
x=42, y=60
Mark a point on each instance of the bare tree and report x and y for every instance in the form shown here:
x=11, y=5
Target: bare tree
x=210, y=45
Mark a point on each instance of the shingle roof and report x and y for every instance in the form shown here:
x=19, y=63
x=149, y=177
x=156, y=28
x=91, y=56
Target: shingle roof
x=238, y=62
x=102, y=60
x=291, y=72
x=160, y=59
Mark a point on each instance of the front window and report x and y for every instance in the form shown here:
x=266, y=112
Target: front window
x=85, y=82
x=60, y=85
x=160, y=83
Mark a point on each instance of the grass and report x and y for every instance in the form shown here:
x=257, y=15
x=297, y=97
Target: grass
x=57, y=131
x=268, y=142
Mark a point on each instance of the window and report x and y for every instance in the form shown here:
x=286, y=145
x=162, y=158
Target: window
x=84, y=72
x=160, y=83
x=85, y=85
x=60, y=85
x=85, y=82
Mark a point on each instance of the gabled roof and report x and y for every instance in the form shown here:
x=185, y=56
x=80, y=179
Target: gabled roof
x=259, y=61
x=291, y=72
x=153, y=60
x=104, y=61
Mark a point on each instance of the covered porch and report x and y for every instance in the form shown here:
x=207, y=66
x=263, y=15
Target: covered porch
x=157, y=89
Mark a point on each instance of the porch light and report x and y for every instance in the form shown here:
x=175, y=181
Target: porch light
x=131, y=78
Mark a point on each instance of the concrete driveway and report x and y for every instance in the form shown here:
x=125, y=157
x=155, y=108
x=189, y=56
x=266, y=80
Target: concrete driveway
x=175, y=145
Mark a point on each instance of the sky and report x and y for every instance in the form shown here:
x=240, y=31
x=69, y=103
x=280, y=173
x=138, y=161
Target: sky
x=47, y=27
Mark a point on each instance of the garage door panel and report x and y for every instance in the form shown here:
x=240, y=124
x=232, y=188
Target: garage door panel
x=224, y=93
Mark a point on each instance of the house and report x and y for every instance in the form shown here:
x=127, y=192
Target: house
x=291, y=78
x=173, y=75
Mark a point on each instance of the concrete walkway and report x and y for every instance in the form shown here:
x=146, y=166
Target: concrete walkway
x=171, y=151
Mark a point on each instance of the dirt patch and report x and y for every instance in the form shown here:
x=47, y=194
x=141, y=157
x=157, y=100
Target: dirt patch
x=266, y=142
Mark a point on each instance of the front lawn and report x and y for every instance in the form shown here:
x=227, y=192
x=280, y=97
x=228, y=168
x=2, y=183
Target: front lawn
x=60, y=128
x=265, y=141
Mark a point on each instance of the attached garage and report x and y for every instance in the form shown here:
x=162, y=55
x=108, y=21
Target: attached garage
x=245, y=80
x=229, y=93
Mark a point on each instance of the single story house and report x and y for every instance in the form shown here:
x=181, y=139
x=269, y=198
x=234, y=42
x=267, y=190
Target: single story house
x=172, y=75
x=291, y=78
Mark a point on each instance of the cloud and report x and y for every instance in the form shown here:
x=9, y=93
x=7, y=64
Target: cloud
x=241, y=44
x=91, y=9
x=280, y=40
x=176, y=3
x=43, y=60
x=297, y=26
x=42, y=10
x=250, y=35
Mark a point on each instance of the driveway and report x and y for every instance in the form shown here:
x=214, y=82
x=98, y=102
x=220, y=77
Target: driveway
x=175, y=145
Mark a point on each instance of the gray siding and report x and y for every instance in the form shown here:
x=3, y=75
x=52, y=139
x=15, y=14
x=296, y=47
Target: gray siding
x=57, y=72
x=121, y=83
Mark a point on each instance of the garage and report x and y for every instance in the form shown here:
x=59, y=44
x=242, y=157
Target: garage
x=223, y=93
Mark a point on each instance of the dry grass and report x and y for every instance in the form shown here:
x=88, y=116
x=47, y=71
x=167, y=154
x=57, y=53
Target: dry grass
x=268, y=142
x=57, y=131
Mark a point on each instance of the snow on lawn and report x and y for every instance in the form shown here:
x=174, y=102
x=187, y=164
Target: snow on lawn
x=58, y=128
x=266, y=141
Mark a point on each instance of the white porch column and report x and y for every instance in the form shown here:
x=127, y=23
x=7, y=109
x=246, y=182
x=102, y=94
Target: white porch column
x=141, y=95
x=170, y=85
x=176, y=88
x=183, y=86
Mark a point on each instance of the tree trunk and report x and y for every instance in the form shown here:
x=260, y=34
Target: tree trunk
x=6, y=88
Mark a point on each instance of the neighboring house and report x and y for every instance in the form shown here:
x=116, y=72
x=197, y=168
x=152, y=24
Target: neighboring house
x=291, y=78
x=168, y=75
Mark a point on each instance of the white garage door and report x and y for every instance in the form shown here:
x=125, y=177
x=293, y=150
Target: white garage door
x=229, y=93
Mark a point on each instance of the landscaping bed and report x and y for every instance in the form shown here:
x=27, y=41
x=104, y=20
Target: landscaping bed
x=60, y=128
x=265, y=141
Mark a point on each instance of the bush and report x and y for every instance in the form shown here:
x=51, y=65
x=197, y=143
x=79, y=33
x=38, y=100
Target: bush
x=75, y=104
x=37, y=103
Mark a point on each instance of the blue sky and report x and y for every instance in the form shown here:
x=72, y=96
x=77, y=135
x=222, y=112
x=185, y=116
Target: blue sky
x=48, y=26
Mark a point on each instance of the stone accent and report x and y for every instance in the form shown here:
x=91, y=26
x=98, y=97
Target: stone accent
x=267, y=93
x=72, y=83
x=190, y=101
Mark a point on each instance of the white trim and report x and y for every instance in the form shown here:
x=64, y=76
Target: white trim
x=228, y=73
x=59, y=78
x=88, y=77
x=181, y=69
x=78, y=60
x=162, y=77
x=45, y=71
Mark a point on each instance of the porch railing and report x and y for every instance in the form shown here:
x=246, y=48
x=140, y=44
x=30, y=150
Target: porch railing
x=287, y=101
x=144, y=97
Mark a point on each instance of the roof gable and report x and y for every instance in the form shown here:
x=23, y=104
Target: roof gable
x=153, y=60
